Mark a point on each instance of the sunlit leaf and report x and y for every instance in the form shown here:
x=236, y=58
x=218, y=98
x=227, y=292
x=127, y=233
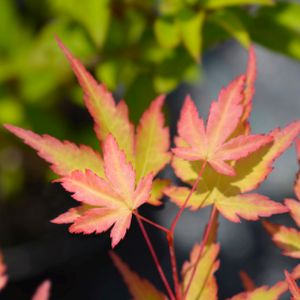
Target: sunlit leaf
x=212, y=144
x=147, y=150
x=204, y=285
x=112, y=198
x=227, y=192
x=265, y=292
x=286, y=238
x=152, y=141
x=170, y=7
x=93, y=15
x=101, y=105
x=190, y=25
x=11, y=110
x=107, y=72
x=260, y=24
x=294, y=207
x=284, y=13
x=41, y=68
x=232, y=24
x=213, y=4
x=140, y=289
x=158, y=188
x=167, y=32
x=64, y=157
x=297, y=183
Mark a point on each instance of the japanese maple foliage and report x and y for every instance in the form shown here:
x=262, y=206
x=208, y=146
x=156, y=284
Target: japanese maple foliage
x=139, y=288
x=200, y=285
x=264, y=292
x=109, y=188
x=110, y=200
x=221, y=161
x=229, y=149
x=214, y=143
x=288, y=238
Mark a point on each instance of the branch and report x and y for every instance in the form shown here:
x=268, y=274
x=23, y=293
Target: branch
x=179, y=213
x=156, y=261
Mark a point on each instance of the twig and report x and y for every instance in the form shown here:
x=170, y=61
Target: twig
x=156, y=261
x=179, y=213
x=170, y=238
x=162, y=228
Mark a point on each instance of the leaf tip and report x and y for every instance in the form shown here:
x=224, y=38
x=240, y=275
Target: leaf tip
x=10, y=128
x=62, y=46
x=43, y=291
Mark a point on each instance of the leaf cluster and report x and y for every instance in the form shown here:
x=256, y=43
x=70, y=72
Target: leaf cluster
x=220, y=161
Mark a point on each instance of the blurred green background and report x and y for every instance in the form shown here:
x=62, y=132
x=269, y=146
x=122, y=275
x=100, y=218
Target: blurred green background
x=138, y=48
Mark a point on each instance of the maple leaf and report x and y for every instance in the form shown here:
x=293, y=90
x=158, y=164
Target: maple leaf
x=109, y=117
x=297, y=183
x=152, y=141
x=203, y=285
x=140, y=289
x=111, y=199
x=43, y=291
x=64, y=157
x=294, y=205
x=198, y=280
x=146, y=150
x=213, y=143
x=3, y=276
x=288, y=238
x=265, y=292
x=249, y=90
x=230, y=194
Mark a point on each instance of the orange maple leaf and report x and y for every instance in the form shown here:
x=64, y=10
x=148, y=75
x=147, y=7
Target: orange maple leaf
x=231, y=151
x=288, y=238
x=140, y=288
x=142, y=153
x=215, y=143
x=265, y=292
x=203, y=285
x=111, y=199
